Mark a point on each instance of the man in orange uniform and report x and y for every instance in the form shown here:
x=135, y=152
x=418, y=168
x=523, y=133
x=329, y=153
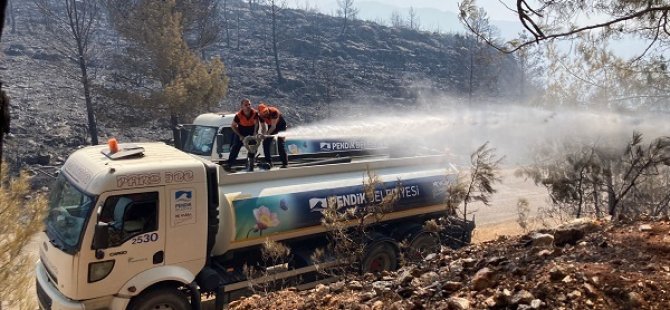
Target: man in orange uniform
x=244, y=124
x=271, y=117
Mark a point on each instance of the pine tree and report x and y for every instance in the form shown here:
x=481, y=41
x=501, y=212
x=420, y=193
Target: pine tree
x=165, y=74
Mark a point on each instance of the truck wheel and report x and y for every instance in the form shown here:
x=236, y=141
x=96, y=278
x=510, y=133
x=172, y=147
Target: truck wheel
x=380, y=256
x=164, y=298
x=422, y=244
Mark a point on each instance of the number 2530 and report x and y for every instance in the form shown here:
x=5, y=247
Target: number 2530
x=152, y=237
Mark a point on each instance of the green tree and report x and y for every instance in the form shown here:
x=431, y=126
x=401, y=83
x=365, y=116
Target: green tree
x=160, y=71
x=532, y=62
x=597, y=180
x=21, y=215
x=204, y=22
x=479, y=56
x=477, y=185
x=640, y=80
x=545, y=20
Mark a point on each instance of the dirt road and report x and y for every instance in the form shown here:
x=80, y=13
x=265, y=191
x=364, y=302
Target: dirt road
x=500, y=217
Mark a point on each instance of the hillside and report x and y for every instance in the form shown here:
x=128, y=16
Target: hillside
x=326, y=73
x=583, y=265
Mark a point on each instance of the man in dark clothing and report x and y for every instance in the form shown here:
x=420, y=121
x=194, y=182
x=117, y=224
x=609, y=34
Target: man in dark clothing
x=271, y=117
x=244, y=124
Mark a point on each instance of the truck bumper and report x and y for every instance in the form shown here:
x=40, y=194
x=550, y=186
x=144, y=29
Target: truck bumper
x=48, y=296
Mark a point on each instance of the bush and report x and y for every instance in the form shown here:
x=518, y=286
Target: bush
x=21, y=217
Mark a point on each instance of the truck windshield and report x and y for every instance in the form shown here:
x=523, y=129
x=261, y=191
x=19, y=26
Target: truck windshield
x=199, y=140
x=68, y=210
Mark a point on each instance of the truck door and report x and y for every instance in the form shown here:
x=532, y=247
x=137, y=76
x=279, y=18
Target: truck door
x=136, y=240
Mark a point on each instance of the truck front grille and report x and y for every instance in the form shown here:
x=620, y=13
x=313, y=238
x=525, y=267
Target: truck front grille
x=44, y=299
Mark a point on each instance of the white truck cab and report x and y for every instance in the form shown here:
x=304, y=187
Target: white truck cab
x=137, y=203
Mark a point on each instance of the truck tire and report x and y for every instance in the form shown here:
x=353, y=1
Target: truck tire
x=379, y=256
x=422, y=243
x=162, y=298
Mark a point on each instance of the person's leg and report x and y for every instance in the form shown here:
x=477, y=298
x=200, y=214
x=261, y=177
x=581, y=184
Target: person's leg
x=281, y=145
x=281, y=142
x=234, y=150
x=267, y=143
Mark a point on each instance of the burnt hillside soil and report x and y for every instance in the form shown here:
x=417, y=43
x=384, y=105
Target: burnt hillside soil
x=585, y=265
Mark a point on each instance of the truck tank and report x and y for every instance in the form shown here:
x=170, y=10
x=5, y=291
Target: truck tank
x=288, y=203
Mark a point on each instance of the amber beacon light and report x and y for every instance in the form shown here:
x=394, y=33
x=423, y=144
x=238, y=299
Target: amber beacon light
x=113, y=145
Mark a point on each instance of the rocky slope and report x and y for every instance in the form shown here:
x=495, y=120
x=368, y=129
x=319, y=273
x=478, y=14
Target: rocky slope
x=584, y=265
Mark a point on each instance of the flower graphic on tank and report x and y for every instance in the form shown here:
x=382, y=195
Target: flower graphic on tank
x=264, y=219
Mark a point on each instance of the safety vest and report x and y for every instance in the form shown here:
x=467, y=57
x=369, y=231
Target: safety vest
x=247, y=121
x=273, y=113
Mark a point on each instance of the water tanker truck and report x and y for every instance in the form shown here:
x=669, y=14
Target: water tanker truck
x=147, y=226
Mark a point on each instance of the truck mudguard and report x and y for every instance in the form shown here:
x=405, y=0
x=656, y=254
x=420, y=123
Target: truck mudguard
x=155, y=275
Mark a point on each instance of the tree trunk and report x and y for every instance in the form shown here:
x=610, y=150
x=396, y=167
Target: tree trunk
x=12, y=15
x=344, y=26
x=611, y=195
x=238, y=29
x=596, y=200
x=471, y=72
x=580, y=193
x=226, y=22
x=280, y=78
x=90, y=111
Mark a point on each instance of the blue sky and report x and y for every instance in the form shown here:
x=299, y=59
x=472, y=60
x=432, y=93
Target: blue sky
x=496, y=10
x=433, y=14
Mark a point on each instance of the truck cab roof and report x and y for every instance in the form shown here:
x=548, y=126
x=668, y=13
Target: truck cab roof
x=215, y=119
x=156, y=164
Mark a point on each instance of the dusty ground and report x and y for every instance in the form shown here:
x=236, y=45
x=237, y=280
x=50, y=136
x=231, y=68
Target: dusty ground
x=608, y=267
x=500, y=217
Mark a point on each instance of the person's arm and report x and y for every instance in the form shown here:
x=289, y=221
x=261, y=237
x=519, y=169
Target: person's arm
x=273, y=124
x=263, y=126
x=236, y=130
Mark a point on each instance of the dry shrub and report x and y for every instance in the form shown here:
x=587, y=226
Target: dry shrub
x=21, y=217
x=274, y=256
x=523, y=213
x=350, y=229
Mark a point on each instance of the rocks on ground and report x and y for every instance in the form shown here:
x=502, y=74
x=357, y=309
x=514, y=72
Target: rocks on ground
x=597, y=266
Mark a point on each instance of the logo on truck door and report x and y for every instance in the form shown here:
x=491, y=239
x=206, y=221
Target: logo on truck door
x=183, y=207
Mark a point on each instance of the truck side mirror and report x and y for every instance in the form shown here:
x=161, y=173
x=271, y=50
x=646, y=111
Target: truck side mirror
x=101, y=236
x=219, y=144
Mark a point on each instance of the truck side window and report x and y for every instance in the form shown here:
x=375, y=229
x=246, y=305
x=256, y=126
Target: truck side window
x=130, y=215
x=227, y=138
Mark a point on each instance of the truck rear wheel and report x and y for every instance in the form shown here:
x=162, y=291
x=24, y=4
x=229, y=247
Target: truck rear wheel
x=380, y=256
x=164, y=298
x=422, y=244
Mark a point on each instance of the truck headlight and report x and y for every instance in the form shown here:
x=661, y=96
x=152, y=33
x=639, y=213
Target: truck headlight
x=99, y=270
